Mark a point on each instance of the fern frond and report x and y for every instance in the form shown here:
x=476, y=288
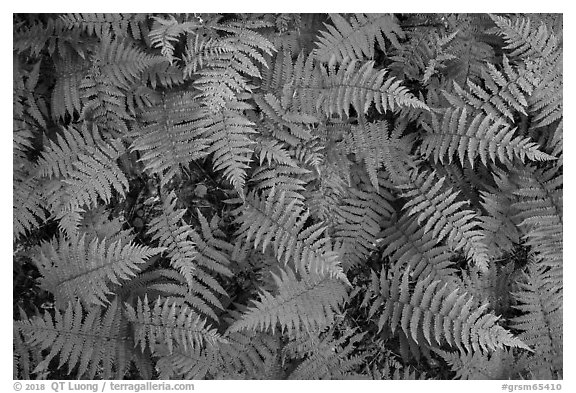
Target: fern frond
x=174, y=235
x=249, y=354
x=298, y=124
x=307, y=87
x=165, y=32
x=104, y=104
x=484, y=136
x=477, y=365
x=470, y=55
x=84, y=168
x=28, y=205
x=358, y=221
x=53, y=36
x=102, y=24
x=163, y=74
x=194, y=363
x=169, y=134
x=279, y=221
x=121, y=61
x=443, y=314
x=503, y=92
x=224, y=76
x=83, y=268
x=540, y=302
x=358, y=87
x=371, y=143
x=169, y=324
x=524, y=41
x=501, y=232
x=89, y=341
x=355, y=38
x=305, y=305
x=408, y=244
x=201, y=52
x=444, y=216
x=25, y=358
x=115, y=66
x=286, y=179
x=195, y=256
x=547, y=102
x=540, y=213
x=330, y=358
x=66, y=94
x=228, y=132
x=273, y=151
x=423, y=55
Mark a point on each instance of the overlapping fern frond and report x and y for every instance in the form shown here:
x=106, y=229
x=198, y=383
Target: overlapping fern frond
x=225, y=73
x=330, y=358
x=166, y=323
x=197, y=255
x=122, y=25
x=83, y=169
x=90, y=341
x=231, y=148
x=166, y=32
x=278, y=221
x=484, y=136
x=301, y=305
x=84, y=268
x=358, y=221
x=436, y=313
x=169, y=134
x=540, y=302
x=503, y=93
x=409, y=245
x=354, y=38
x=444, y=215
x=540, y=212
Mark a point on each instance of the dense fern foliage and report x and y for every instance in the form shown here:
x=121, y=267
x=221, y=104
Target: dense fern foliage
x=285, y=196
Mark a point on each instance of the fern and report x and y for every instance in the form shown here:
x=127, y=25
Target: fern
x=330, y=358
x=503, y=91
x=308, y=304
x=500, y=231
x=167, y=31
x=193, y=255
x=444, y=216
x=409, y=245
x=523, y=41
x=539, y=210
x=94, y=343
x=271, y=196
x=224, y=76
x=355, y=38
x=483, y=136
x=83, y=268
x=170, y=325
x=282, y=178
x=122, y=25
x=66, y=94
x=228, y=132
x=334, y=91
x=477, y=365
x=28, y=205
x=169, y=135
x=436, y=313
x=282, y=220
x=540, y=302
x=84, y=169
x=359, y=218
x=174, y=236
